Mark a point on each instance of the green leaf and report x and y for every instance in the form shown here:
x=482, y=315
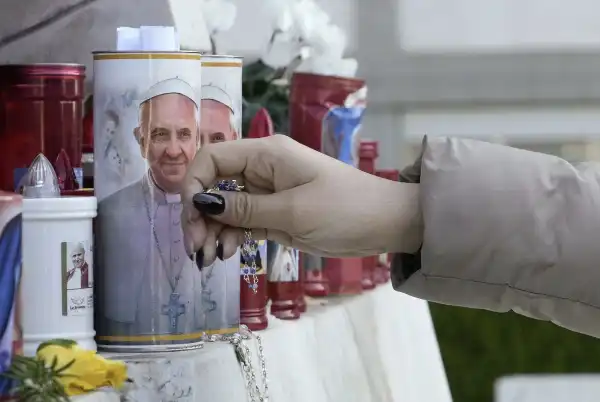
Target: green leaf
x=260, y=89
x=59, y=388
x=258, y=71
x=257, y=78
x=11, y=376
x=54, y=363
x=65, y=367
x=23, y=360
x=29, y=394
x=67, y=343
x=17, y=369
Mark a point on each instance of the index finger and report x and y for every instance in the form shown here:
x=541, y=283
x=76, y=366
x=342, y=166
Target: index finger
x=223, y=159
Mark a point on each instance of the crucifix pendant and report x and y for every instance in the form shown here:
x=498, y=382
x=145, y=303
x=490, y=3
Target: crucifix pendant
x=173, y=310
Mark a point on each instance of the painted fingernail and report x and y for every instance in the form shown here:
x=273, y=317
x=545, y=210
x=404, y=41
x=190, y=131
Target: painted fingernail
x=220, y=251
x=200, y=259
x=209, y=203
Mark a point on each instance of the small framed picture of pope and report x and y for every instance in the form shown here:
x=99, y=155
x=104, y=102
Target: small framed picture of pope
x=77, y=278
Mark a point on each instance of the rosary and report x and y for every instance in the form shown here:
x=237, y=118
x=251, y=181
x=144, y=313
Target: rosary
x=248, y=254
x=249, y=248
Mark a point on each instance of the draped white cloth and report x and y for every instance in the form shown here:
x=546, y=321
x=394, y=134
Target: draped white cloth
x=377, y=347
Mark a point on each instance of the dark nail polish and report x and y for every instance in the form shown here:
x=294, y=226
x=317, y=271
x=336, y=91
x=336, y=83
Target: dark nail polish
x=200, y=259
x=209, y=203
x=220, y=251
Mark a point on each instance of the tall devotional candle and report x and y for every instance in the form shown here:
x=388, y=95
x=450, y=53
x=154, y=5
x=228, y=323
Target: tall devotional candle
x=150, y=293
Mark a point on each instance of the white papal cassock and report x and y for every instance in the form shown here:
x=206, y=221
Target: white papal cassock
x=146, y=282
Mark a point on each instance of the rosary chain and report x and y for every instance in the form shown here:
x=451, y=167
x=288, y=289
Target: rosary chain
x=244, y=356
x=249, y=251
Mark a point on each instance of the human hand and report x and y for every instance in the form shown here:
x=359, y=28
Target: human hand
x=297, y=197
x=70, y=273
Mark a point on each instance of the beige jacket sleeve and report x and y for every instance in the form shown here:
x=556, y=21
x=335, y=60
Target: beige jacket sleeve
x=506, y=229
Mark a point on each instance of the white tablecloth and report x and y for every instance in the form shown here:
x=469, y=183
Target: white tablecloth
x=377, y=347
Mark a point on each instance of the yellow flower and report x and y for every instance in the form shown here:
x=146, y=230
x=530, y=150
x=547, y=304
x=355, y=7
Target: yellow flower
x=88, y=372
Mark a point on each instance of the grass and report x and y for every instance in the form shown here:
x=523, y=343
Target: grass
x=480, y=346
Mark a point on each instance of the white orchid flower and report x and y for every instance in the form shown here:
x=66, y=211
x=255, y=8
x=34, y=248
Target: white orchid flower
x=281, y=51
x=281, y=16
x=330, y=41
x=219, y=15
x=306, y=66
x=306, y=52
x=283, y=46
x=326, y=65
x=289, y=23
x=308, y=18
x=302, y=29
x=285, y=21
x=318, y=64
x=347, y=68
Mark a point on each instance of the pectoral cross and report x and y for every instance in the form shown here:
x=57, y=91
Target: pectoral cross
x=208, y=303
x=173, y=310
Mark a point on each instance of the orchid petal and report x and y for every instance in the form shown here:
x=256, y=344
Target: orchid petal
x=281, y=52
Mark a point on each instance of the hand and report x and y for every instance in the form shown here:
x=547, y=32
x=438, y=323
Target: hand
x=297, y=197
x=70, y=273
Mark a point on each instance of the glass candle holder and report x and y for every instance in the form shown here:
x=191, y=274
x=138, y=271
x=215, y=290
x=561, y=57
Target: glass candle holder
x=41, y=111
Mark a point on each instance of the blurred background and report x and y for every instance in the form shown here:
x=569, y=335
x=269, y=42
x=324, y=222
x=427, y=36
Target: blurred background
x=524, y=73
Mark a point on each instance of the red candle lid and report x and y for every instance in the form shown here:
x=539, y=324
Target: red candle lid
x=368, y=149
x=390, y=174
x=59, y=69
x=326, y=81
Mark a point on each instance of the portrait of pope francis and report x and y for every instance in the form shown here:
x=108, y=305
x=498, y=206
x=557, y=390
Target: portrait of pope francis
x=150, y=285
x=221, y=280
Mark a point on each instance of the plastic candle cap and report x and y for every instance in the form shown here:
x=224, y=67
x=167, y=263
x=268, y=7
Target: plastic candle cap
x=40, y=180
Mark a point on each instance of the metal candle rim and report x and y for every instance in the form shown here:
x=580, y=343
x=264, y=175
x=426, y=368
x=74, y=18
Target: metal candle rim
x=146, y=55
x=221, y=56
x=145, y=52
x=33, y=69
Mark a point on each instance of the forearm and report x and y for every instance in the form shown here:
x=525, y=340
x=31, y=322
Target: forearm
x=404, y=222
x=506, y=229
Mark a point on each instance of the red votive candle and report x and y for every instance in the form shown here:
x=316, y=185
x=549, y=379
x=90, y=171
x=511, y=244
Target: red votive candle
x=314, y=280
x=41, y=111
x=283, y=285
x=367, y=154
x=321, y=118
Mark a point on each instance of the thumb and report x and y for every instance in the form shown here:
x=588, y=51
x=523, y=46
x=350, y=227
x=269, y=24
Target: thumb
x=244, y=210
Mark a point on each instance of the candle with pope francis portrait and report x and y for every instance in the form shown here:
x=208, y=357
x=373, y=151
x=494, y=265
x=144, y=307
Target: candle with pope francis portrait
x=150, y=296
